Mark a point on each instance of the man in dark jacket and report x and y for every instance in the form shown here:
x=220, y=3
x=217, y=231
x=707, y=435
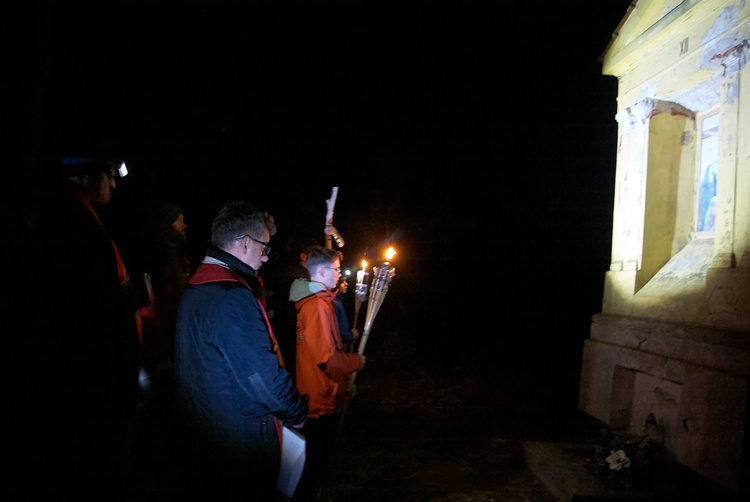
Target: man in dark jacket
x=75, y=348
x=231, y=380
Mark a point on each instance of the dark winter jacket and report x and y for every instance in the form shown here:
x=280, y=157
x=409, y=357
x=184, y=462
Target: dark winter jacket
x=72, y=346
x=232, y=384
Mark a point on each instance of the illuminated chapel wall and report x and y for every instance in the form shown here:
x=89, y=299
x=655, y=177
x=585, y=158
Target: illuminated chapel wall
x=673, y=337
x=686, y=62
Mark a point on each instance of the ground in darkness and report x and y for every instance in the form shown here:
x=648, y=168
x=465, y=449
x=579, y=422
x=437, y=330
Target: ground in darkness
x=452, y=433
x=441, y=428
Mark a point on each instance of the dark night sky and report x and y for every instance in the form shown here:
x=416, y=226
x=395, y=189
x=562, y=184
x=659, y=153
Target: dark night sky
x=477, y=137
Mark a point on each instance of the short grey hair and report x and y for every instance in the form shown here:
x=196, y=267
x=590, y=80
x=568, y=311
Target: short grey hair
x=237, y=218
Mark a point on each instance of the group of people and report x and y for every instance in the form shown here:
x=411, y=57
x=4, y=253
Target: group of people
x=104, y=345
x=234, y=390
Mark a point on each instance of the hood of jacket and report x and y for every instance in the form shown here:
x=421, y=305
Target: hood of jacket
x=302, y=288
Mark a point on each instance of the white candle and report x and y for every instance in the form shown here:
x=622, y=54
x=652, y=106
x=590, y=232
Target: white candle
x=361, y=273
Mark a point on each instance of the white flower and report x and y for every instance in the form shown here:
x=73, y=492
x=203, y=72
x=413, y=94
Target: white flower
x=618, y=460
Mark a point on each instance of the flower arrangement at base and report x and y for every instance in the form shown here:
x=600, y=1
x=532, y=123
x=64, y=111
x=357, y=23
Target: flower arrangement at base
x=618, y=460
x=626, y=462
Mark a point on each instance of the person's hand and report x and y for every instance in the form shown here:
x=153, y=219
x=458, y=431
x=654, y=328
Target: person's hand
x=355, y=333
x=306, y=397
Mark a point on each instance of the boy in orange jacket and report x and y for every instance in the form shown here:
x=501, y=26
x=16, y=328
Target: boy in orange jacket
x=323, y=366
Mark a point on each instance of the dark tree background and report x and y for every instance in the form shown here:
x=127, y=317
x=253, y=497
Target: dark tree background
x=477, y=138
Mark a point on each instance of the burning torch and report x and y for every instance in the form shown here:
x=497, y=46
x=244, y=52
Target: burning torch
x=360, y=295
x=381, y=280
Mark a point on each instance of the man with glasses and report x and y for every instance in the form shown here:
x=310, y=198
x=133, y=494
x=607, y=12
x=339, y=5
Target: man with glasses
x=232, y=386
x=323, y=366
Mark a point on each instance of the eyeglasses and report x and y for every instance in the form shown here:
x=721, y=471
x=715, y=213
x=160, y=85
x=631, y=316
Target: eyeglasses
x=266, y=247
x=338, y=270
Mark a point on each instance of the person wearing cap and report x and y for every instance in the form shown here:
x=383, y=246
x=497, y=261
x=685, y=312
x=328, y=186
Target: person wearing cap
x=76, y=394
x=94, y=179
x=168, y=270
x=164, y=265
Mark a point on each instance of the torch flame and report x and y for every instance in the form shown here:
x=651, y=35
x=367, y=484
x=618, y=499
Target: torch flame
x=364, y=265
x=389, y=254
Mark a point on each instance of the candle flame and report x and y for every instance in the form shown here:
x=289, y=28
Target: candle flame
x=389, y=254
x=364, y=265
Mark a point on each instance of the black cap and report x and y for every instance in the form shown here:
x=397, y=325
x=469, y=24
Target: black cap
x=79, y=166
x=160, y=215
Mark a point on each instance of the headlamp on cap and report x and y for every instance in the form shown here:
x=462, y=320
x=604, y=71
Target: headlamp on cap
x=79, y=166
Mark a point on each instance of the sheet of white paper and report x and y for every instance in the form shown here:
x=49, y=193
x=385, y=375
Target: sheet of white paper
x=292, y=460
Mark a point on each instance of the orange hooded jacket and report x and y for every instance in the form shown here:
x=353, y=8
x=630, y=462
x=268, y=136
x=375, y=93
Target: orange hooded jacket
x=323, y=367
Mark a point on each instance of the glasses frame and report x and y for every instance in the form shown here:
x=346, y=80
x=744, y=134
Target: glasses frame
x=333, y=268
x=266, y=246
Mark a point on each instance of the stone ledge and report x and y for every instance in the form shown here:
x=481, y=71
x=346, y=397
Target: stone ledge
x=569, y=481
